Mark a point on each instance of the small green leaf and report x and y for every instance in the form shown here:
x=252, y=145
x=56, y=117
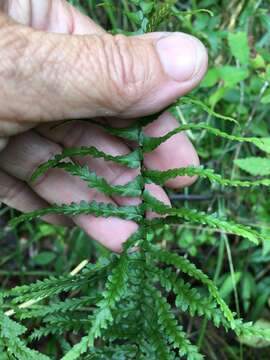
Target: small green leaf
x=266, y=98
x=257, y=62
x=256, y=166
x=44, y=258
x=217, y=95
x=229, y=283
x=210, y=79
x=232, y=75
x=147, y=6
x=135, y=17
x=238, y=43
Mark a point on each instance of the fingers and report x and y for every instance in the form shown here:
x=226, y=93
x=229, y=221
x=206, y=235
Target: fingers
x=18, y=195
x=8, y=128
x=177, y=152
x=64, y=76
x=80, y=133
x=26, y=151
x=50, y=15
x=86, y=134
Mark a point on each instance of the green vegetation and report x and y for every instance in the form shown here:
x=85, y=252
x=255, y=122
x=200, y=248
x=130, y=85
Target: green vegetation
x=201, y=276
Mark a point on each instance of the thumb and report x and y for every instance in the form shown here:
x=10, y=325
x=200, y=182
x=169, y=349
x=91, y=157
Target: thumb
x=54, y=77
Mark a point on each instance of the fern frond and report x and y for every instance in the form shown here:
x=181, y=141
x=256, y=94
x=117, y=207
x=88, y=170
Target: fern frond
x=161, y=177
x=174, y=332
x=115, y=289
x=151, y=143
x=160, y=346
x=55, y=285
x=193, y=101
x=211, y=220
x=66, y=306
x=10, y=332
x=85, y=208
x=188, y=298
x=131, y=160
x=189, y=268
x=131, y=189
x=61, y=325
x=47, y=330
x=19, y=349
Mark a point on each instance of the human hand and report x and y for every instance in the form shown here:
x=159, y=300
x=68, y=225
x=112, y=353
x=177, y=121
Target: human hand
x=60, y=65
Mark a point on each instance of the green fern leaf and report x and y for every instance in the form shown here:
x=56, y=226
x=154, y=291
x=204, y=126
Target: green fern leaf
x=77, y=350
x=115, y=289
x=151, y=143
x=189, y=268
x=55, y=285
x=85, y=208
x=161, y=177
x=131, y=189
x=211, y=220
x=10, y=332
x=190, y=299
x=131, y=160
x=58, y=307
x=193, y=101
x=254, y=165
x=102, y=318
x=174, y=332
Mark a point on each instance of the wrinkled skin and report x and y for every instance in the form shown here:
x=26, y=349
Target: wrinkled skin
x=58, y=64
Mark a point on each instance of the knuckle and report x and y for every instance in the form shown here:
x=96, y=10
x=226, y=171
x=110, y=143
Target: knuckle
x=9, y=128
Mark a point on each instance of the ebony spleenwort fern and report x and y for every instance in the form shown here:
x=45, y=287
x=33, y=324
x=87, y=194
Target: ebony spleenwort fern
x=131, y=317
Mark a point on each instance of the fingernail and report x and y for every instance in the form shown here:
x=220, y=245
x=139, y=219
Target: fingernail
x=181, y=56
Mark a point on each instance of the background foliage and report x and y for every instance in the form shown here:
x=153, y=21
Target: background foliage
x=236, y=86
